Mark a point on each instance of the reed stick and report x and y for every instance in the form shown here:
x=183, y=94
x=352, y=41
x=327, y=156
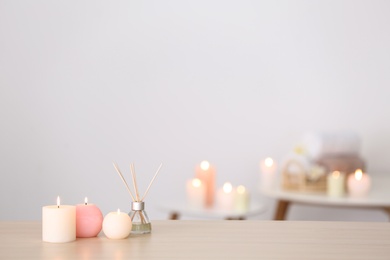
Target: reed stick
x=123, y=179
x=132, y=170
x=151, y=182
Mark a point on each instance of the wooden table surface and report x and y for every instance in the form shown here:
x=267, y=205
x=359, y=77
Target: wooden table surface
x=183, y=239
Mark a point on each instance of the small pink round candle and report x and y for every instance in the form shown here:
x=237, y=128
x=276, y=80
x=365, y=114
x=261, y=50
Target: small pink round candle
x=89, y=220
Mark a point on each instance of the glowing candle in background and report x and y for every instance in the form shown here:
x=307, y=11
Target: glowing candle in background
x=196, y=193
x=359, y=184
x=268, y=173
x=241, y=199
x=268, y=165
x=225, y=197
x=58, y=223
x=117, y=225
x=206, y=174
x=336, y=184
x=89, y=220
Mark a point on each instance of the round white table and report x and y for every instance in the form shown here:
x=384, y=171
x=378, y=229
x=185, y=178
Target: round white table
x=378, y=198
x=178, y=209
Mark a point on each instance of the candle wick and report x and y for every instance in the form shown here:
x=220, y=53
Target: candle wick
x=85, y=203
x=58, y=206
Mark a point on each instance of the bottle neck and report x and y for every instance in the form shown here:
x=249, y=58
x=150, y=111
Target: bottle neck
x=137, y=205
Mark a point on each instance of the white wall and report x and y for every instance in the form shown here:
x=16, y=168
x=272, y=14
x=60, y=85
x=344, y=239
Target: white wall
x=83, y=83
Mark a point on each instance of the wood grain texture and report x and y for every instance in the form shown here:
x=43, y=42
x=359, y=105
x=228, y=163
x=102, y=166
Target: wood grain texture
x=210, y=240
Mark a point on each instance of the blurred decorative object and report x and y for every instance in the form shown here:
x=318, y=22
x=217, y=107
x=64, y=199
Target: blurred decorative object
x=342, y=163
x=268, y=173
x=139, y=218
x=225, y=197
x=359, y=184
x=335, y=152
x=298, y=174
x=205, y=172
x=323, y=144
x=196, y=193
x=316, y=172
x=317, y=155
x=336, y=184
x=228, y=199
x=241, y=199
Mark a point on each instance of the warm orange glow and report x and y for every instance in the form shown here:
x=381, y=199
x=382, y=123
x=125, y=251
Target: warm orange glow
x=227, y=187
x=205, y=165
x=336, y=174
x=196, y=183
x=58, y=201
x=86, y=201
x=358, y=174
x=269, y=162
x=241, y=189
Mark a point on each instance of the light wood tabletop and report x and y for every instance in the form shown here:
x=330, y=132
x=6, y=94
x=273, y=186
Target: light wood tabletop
x=216, y=239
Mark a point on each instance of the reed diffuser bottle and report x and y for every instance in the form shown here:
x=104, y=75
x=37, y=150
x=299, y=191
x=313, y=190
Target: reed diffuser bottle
x=140, y=220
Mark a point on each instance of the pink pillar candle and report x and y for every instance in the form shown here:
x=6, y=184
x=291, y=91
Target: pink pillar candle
x=206, y=174
x=89, y=220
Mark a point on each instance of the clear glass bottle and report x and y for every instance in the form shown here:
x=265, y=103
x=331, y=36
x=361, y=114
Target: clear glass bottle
x=139, y=218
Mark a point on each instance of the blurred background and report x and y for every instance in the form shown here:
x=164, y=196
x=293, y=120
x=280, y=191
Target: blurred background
x=86, y=83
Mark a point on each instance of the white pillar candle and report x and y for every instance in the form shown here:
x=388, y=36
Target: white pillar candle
x=58, y=223
x=196, y=193
x=225, y=197
x=268, y=173
x=359, y=184
x=241, y=199
x=336, y=184
x=117, y=225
